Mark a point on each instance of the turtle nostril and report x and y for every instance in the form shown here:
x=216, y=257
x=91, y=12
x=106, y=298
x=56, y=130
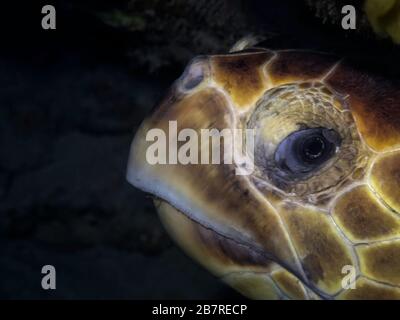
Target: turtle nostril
x=194, y=74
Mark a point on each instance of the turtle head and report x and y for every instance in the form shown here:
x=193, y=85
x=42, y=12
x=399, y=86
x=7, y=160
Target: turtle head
x=254, y=159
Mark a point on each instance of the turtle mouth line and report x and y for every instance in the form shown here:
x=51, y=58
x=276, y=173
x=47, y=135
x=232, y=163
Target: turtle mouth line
x=248, y=245
x=237, y=246
x=227, y=250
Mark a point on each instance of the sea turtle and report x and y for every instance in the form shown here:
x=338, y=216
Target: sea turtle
x=319, y=216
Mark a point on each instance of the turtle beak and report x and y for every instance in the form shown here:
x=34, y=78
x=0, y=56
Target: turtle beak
x=166, y=160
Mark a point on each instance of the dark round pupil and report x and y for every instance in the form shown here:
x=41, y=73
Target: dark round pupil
x=304, y=151
x=314, y=147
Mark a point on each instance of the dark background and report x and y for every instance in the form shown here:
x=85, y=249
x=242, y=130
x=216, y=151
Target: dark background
x=70, y=102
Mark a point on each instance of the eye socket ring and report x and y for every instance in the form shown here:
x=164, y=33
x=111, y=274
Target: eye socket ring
x=326, y=161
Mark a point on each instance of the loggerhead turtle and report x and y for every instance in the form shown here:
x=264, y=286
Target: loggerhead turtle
x=319, y=216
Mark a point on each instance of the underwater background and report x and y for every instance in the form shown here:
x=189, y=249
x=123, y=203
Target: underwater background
x=70, y=102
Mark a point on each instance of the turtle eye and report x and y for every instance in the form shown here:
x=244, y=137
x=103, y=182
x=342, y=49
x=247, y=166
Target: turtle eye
x=306, y=150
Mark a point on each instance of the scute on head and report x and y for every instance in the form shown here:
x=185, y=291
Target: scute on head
x=375, y=105
x=241, y=76
x=364, y=218
x=385, y=179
